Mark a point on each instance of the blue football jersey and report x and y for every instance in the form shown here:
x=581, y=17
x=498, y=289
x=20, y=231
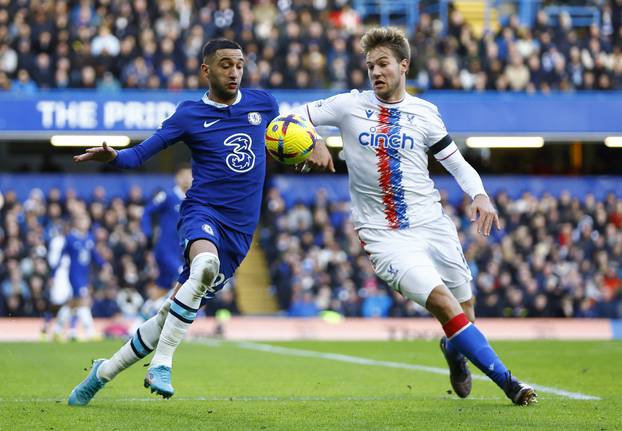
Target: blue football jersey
x=81, y=251
x=166, y=207
x=227, y=143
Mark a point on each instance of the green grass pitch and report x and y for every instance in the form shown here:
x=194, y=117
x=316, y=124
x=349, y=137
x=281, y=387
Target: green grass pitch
x=234, y=386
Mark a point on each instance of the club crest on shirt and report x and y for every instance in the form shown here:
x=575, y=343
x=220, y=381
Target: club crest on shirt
x=254, y=118
x=393, y=271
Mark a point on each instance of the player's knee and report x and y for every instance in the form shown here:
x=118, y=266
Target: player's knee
x=442, y=304
x=469, y=310
x=203, y=270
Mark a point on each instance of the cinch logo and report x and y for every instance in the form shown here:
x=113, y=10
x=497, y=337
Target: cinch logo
x=397, y=140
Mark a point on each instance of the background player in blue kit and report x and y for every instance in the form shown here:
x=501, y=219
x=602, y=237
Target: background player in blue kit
x=165, y=208
x=225, y=133
x=80, y=248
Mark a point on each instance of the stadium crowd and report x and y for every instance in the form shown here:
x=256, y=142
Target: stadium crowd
x=123, y=288
x=291, y=44
x=554, y=257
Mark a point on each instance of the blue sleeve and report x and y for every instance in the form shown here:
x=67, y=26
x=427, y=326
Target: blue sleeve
x=275, y=108
x=156, y=205
x=171, y=131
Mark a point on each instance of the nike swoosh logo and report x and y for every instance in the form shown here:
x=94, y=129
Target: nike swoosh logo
x=206, y=124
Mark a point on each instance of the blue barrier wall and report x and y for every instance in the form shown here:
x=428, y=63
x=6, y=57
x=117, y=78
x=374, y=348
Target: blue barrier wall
x=303, y=187
x=139, y=113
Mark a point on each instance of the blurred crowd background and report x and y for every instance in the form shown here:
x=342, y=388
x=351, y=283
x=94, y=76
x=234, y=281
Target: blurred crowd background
x=124, y=288
x=297, y=44
x=555, y=257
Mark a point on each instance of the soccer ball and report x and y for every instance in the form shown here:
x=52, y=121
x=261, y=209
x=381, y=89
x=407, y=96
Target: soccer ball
x=290, y=139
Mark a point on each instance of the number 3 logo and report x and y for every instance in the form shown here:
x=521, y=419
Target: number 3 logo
x=242, y=158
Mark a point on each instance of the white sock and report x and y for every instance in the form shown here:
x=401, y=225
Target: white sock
x=86, y=319
x=203, y=270
x=73, y=324
x=139, y=346
x=61, y=319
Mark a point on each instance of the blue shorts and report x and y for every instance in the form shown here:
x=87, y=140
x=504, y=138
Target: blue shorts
x=79, y=290
x=232, y=245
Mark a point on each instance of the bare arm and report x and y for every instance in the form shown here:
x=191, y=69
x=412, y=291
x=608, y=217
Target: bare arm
x=102, y=154
x=320, y=157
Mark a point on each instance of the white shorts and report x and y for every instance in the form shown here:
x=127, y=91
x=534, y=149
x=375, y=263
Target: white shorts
x=414, y=261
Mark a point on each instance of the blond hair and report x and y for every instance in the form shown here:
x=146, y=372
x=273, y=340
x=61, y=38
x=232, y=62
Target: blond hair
x=390, y=37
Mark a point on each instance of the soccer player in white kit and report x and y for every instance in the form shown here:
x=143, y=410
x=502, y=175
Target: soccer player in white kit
x=396, y=210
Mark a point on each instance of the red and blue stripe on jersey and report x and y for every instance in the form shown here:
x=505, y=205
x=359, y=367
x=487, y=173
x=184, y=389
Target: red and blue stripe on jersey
x=390, y=170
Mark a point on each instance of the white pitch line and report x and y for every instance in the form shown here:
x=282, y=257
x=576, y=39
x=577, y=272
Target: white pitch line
x=364, y=361
x=232, y=398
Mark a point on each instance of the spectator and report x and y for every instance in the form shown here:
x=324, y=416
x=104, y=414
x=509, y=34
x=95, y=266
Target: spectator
x=8, y=59
x=23, y=83
x=105, y=43
x=110, y=37
x=556, y=257
x=303, y=305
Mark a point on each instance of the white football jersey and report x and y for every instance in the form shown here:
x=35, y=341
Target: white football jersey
x=385, y=147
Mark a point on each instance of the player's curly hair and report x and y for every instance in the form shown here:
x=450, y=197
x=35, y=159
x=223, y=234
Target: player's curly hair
x=390, y=37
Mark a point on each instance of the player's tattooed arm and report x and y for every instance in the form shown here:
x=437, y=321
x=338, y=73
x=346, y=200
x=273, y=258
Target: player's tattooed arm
x=320, y=158
x=487, y=214
x=99, y=154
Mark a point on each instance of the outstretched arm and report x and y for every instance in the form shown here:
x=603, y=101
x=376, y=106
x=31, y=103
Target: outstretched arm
x=103, y=154
x=171, y=131
x=128, y=158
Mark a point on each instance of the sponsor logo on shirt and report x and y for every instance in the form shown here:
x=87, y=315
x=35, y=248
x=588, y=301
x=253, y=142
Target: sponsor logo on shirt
x=375, y=138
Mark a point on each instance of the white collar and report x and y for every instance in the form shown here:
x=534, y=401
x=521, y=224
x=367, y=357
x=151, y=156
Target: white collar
x=390, y=103
x=208, y=101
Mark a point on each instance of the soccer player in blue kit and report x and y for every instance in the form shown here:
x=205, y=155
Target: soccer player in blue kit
x=225, y=132
x=165, y=207
x=80, y=248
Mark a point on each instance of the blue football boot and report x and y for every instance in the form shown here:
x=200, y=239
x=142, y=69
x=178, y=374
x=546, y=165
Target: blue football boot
x=86, y=390
x=158, y=379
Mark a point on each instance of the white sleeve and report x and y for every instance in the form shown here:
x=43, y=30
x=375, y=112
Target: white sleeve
x=328, y=112
x=436, y=133
x=446, y=151
x=466, y=176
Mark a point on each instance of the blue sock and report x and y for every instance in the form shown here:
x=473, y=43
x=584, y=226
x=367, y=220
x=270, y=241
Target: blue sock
x=452, y=350
x=467, y=339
